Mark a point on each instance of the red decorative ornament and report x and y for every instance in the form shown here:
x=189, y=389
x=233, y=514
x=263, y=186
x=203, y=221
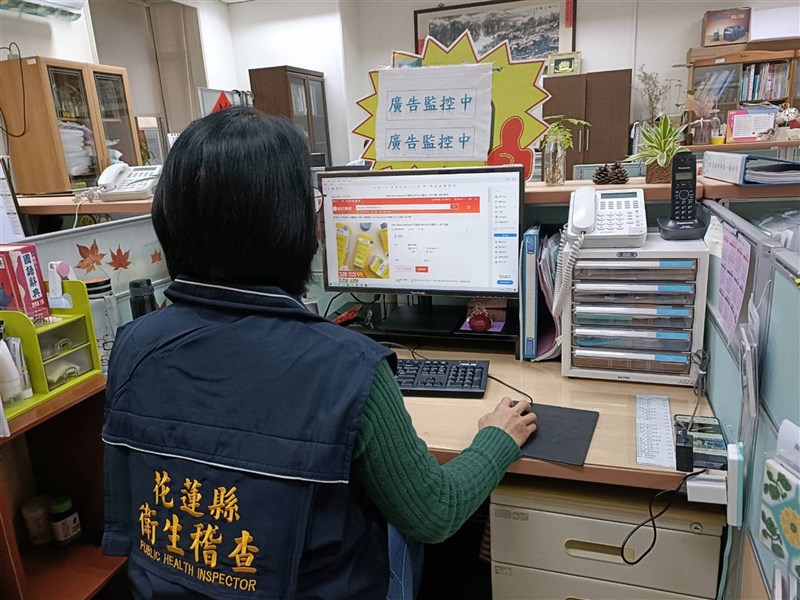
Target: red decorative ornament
x=479, y=319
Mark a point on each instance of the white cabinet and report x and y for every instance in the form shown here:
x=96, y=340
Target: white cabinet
x=562, y=540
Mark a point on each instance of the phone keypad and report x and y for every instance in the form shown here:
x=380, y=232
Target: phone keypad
x=684, y=207
x=615, y=217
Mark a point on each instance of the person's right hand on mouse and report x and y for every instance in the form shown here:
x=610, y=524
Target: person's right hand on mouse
x=515, y=418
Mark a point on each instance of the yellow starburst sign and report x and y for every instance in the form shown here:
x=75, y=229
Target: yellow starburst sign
x=515, y=94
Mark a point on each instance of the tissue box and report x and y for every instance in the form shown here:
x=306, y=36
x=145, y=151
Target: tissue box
x=729, y=26
x=21, y=283
x=780, y=515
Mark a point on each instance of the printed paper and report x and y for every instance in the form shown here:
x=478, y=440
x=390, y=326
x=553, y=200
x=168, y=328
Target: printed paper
x=434, y=113
x=734, y=267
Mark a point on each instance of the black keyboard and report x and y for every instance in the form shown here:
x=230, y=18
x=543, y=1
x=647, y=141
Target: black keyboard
x=443, y=378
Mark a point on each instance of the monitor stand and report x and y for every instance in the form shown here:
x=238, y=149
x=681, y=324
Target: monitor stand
x=424, y=318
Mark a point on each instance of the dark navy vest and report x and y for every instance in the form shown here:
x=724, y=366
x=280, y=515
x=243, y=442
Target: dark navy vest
x=230, y=426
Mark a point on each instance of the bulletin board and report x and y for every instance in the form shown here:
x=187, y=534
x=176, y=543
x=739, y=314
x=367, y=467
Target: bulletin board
x=516, y=103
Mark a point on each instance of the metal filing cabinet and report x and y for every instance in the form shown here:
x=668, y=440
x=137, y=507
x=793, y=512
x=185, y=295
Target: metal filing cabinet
x=562, y=540
x=636, y=314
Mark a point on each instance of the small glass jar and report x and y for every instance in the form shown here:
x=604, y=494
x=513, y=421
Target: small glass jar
x=64, y=521
x=36, y=514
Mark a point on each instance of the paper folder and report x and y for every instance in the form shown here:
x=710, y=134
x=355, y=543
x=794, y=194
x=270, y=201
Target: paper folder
x=748, y=169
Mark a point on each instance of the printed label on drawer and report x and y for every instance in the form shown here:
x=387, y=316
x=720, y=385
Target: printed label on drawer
x=671, y=358
x=672, y=312
x=500, y=570
x=676, y=263
x=514, y=515
x=675, y=288
x=672, y=335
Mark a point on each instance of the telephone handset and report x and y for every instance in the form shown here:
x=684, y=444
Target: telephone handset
x=598, y=219
x=122, y=182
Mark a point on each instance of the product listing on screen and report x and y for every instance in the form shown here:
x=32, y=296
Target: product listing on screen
x=439, y=231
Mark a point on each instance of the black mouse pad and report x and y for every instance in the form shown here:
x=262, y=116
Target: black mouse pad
x=563, y=434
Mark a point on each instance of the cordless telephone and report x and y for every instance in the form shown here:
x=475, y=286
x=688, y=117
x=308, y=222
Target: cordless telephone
x=683, y=223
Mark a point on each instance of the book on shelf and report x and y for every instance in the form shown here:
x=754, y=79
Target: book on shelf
x=764, y=82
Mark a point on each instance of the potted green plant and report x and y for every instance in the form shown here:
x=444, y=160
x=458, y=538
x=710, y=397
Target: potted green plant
x=557, y=140
x=660, y=143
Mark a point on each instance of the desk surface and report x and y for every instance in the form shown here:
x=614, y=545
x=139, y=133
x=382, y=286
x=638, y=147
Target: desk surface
x=448, y=425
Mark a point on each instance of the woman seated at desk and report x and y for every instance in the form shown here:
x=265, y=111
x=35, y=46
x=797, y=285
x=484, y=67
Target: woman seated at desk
x=254, y=449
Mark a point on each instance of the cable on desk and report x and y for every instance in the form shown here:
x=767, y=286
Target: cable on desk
x=699, y=358
x=652, y=520
x=511, y=387
x=330, y=302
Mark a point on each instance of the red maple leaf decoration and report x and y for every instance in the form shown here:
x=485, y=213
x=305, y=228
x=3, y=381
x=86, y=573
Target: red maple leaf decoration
x=91, y=257
x=119, y=259
x=156, y=256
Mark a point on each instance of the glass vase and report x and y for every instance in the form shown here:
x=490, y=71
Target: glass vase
x=702, y=132
x=554, y=163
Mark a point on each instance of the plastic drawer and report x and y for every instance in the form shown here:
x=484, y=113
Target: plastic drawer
x=62, y=339
x=639, y=270
x=632, y=339
x=512, y=582
x=634, y=293
x=661, y=317
x=74, y=364
x=620, y=360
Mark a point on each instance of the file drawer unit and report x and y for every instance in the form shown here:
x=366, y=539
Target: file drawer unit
x=552, y=541
x=636, y=314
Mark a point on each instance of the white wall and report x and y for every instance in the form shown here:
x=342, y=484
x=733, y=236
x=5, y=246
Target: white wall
x=300, y=34
x=611, y=34
x=52, y=38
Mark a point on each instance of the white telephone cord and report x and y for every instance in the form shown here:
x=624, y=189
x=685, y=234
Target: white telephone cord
x=564, y=272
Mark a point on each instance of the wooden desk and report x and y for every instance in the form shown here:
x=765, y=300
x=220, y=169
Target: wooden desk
x=448, y=425
x=537, y=192
x=65, y=205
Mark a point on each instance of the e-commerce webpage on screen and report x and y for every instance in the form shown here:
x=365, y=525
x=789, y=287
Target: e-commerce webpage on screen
x=442, y=232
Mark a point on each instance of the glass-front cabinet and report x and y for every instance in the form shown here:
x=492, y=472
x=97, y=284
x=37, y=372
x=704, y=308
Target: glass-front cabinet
x=75, y=126
x=299, y=95
x=115, y=116
x=77, y=121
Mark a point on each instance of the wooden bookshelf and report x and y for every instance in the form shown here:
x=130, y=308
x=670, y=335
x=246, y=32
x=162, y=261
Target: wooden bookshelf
x=74, y=572
x=55, y=448
x=51, y=408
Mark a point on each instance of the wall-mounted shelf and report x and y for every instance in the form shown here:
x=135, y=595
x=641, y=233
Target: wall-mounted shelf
x=721, y=190
x=65, y=205
x=736, y=146
x=539, y=193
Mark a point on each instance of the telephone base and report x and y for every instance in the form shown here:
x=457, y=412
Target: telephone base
x=681, y=230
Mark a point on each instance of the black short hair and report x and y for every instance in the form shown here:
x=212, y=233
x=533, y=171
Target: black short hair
x=235, y=202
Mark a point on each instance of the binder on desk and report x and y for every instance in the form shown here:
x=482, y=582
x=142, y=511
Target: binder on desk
x=747, y=169
x=529, y=294
x=540, y=328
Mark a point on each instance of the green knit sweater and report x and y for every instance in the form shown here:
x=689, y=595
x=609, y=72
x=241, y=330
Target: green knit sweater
x=420, y=497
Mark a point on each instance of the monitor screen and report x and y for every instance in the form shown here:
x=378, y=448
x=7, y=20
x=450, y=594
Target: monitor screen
x=436, y=231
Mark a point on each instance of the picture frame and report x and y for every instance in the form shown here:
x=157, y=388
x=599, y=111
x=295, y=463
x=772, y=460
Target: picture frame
x=564, y=63
x=554, y=34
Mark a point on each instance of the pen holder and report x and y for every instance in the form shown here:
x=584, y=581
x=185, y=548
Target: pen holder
x=59, y=355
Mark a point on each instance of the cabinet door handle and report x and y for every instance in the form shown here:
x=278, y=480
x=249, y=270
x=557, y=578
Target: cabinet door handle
x=587, y=140
x=580, y=139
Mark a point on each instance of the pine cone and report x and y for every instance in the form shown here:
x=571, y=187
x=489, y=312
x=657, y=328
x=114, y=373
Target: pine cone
x=617, y=174
x=602, y=176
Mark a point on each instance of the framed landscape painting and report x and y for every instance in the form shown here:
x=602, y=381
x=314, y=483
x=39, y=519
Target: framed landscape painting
x=533, y=28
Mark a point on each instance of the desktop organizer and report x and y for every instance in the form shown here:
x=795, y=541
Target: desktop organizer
x=58, y=355
x=636, y=314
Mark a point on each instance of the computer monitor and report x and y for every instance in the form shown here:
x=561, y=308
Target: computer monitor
x=424, y=231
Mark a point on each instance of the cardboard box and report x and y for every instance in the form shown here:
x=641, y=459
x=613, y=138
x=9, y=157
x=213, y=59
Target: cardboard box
x=729, y=26
x=21, y=283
